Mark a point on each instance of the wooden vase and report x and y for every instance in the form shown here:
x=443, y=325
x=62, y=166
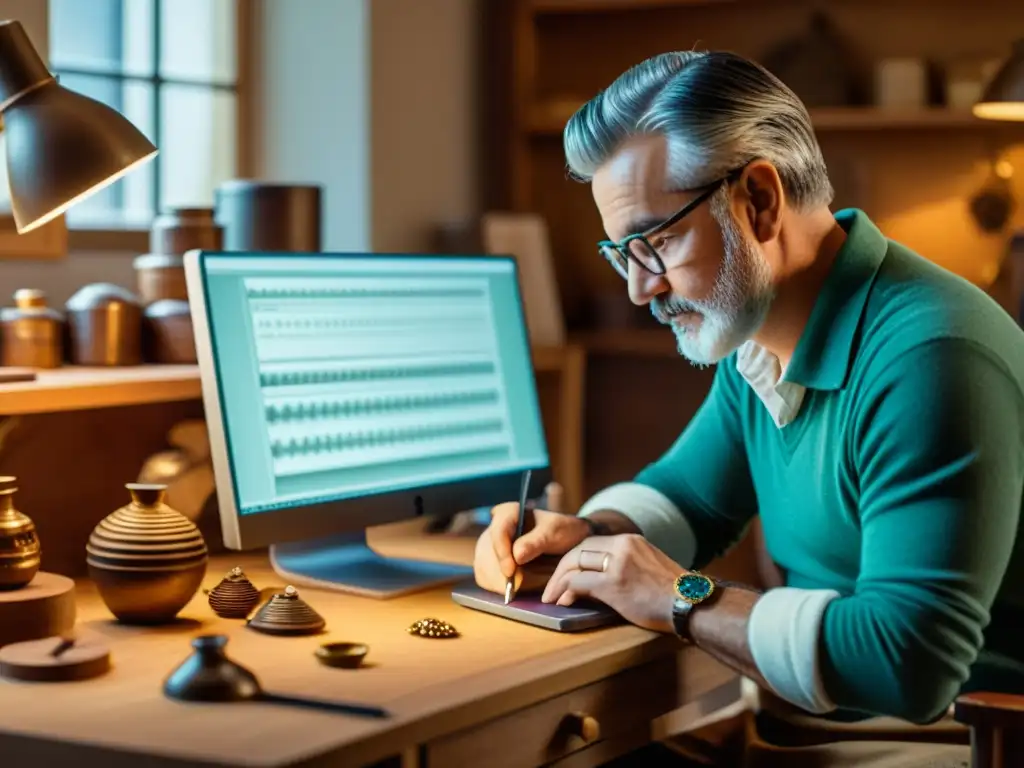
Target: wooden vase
x=146, y=559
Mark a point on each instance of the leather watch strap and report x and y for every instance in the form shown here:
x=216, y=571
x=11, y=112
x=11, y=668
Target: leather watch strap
x=597, y=528
x=681, y=610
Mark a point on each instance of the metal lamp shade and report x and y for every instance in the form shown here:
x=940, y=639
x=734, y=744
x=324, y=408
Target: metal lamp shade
x=61, y=145
x=1004, y=96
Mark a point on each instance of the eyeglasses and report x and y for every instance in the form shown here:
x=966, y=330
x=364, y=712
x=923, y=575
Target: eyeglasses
x=637, y=246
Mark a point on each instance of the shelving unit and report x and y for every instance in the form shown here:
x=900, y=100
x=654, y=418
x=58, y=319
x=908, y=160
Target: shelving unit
x=911, y=170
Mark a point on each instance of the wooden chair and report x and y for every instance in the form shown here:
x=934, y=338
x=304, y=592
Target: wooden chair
x=996, y=721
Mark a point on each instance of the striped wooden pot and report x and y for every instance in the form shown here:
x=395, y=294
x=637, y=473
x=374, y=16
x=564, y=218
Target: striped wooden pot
x=146, y=559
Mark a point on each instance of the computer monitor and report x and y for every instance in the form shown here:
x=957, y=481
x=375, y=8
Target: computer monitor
x=344, y=391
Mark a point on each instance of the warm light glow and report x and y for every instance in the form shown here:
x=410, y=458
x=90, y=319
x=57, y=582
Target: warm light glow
x=79, y=197
x=1000, y=110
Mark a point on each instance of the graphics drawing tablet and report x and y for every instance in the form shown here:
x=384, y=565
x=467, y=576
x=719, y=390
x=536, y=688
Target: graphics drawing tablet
x=528, y=609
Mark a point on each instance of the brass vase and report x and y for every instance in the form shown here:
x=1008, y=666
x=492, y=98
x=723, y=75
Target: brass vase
x=19, y=544
x=146, y=559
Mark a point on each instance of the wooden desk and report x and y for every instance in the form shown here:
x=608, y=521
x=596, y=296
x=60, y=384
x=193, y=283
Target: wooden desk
x=499, y=695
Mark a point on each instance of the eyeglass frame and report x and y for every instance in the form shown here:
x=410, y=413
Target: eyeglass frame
x=622, y=246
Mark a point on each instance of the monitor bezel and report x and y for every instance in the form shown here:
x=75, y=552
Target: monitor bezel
x=347, y=515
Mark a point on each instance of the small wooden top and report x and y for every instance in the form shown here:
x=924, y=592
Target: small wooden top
x=432, y=687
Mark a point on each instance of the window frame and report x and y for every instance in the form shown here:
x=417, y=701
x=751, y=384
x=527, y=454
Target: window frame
x=55, y=239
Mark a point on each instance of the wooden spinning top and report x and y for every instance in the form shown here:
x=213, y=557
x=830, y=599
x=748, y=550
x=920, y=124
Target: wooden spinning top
x=287, y=614
x=235, y=596
x=434, y=628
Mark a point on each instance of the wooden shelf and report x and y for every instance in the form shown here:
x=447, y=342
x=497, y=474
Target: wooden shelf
x=73, y=388
x=593, y=6
x=549, y=118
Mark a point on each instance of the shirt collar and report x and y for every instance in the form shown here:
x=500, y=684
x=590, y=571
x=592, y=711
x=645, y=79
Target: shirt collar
x=823, y=354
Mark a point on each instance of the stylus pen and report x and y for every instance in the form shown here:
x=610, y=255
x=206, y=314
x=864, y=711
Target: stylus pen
x=524, y=489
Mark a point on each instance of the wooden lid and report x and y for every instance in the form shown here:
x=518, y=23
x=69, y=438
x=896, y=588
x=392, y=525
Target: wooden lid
x=34, y=661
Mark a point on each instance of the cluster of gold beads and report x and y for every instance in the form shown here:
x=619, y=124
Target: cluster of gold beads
x=433, y=628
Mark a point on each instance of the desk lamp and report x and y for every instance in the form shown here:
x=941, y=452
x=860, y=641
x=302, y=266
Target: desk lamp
x=61, y=146
x=1003, y=98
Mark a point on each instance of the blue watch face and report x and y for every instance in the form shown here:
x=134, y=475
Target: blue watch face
x=694, y=587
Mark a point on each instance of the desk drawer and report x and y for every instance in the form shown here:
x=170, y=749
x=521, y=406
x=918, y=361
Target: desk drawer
x=552, y=729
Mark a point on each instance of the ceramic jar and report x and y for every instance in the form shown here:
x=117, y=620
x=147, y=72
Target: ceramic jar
x=32, y=333
x=146, y=559
x=104, y=326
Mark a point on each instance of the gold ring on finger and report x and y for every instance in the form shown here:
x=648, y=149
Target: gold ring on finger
x=591, y=560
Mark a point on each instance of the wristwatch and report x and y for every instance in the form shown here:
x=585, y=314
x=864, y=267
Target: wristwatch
x=690, y=590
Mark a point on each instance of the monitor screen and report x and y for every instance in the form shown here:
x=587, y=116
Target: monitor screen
x=345, y=376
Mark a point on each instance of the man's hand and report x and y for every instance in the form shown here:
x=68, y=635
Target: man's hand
x=638, y=581
x=549, y=533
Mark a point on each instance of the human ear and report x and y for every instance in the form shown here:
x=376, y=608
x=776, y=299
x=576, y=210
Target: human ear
x=759, y=194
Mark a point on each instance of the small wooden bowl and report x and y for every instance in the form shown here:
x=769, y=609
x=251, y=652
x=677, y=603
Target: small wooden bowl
x=342, y=655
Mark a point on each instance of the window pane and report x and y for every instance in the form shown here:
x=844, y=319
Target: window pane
x=138, y=37
x=102, y=36
x=197, y=40
x=129, y=201
x=197, y=143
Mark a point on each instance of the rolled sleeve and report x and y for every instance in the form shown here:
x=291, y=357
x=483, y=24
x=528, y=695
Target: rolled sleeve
x=660, y=521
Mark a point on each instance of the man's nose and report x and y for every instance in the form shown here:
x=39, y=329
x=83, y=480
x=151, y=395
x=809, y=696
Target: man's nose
x=644, y=285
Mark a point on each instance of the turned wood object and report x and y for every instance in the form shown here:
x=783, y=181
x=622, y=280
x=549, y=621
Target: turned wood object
x=44, y=608
x=49, y=661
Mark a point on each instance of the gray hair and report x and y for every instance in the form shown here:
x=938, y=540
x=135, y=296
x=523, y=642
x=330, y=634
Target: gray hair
x=717, y=111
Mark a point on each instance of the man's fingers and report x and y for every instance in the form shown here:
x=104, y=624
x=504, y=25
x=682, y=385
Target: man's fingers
x=556, y=584
x=570, y=564
x=557, y=534
x=581, y=584
x=537, y=573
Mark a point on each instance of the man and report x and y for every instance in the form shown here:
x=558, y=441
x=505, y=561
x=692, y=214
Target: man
x=867, y=405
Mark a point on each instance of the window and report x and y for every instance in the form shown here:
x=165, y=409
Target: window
x=169, y=66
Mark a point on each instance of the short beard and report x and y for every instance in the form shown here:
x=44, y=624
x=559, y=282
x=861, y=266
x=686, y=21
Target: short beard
x=739, y=301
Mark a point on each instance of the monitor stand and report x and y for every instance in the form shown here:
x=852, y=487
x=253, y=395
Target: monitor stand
x=346, y=563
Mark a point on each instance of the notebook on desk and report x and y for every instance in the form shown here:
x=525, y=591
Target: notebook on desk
x=529, y=609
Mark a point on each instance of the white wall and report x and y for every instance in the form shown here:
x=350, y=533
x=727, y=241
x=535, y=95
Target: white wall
x=376, y=100
x=312, y=108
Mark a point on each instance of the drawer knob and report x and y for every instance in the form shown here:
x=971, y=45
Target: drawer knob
x=583, y=726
